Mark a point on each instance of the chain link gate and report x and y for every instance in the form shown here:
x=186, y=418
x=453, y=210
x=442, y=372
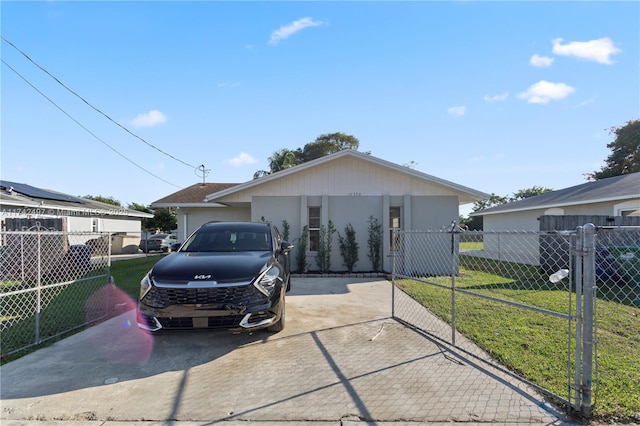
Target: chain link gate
x=516, y=299
x=51, y=282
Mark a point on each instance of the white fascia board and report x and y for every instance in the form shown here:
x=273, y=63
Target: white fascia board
x=553, y=205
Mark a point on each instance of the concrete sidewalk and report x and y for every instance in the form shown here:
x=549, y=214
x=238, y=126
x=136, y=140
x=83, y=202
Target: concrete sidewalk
x=340, y=360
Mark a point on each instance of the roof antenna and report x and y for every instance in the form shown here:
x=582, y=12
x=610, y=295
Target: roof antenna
x=202, y=171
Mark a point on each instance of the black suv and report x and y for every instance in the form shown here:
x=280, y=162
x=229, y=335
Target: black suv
x=226, y=275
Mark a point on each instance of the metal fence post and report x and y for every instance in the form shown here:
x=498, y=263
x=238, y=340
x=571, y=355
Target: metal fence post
x=577, y=277
x=453, y=284
x=38, y=286
x=393, y=275
x=589, y=288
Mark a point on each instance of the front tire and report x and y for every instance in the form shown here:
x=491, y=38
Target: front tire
x=279, y=326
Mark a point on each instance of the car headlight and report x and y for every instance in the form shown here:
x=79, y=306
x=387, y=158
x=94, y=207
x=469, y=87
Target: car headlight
x=266, y=283
x=145, y=285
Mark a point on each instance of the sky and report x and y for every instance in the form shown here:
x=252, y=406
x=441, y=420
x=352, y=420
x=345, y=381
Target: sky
x=132, y=100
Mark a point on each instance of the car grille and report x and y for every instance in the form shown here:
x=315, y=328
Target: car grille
x=246, y=295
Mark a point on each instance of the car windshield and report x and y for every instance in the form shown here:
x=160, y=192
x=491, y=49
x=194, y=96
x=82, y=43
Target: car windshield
x=210, y=240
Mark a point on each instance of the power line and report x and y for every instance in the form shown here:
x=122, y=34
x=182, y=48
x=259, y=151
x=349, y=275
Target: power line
x=91, y=106
x=83, y=127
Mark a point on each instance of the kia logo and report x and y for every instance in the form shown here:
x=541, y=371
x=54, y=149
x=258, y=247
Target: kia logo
x=202, y=277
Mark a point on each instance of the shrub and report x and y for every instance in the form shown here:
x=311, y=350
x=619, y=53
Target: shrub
x=348, y=247
x=374, y=243
x=301, y=254
x=324, y=247
x=285, y=230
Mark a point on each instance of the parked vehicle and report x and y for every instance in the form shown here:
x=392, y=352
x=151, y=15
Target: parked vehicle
x=158, y=242
x=226, y=275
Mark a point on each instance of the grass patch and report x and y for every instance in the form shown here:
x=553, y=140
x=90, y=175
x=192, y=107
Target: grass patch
x=472, y=245
x=64, y=309
x=128, y=273
x=534, y=344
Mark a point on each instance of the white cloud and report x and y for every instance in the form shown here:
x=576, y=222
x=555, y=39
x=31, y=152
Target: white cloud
x=221, y=85
x=598, y=50
x=287, y=31
x=457, y=111
x=544, y=91
x=241, y=160
x=541, y=61
x=148, y=119
x=497, y=98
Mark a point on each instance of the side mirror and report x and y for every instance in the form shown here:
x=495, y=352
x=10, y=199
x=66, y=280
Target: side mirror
x=286, y=247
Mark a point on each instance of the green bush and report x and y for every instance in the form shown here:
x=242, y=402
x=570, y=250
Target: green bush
x=348, y=247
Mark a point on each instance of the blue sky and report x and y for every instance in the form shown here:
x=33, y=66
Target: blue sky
x=496, y=96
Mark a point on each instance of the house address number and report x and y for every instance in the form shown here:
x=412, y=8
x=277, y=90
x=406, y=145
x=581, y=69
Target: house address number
x=355, y=194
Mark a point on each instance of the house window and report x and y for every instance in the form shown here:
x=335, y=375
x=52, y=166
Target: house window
x=314, y=228
x=94, y=225
x=394, y=223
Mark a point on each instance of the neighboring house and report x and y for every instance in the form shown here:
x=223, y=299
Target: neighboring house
x=611, y=201
x=347, y=187
x=615, y=196
x=23, y=206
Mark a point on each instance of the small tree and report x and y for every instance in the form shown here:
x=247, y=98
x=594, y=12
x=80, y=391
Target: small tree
x=301, y=254
x=285, y=230
x=324, y=247
x=374, y=243
x=348, y=247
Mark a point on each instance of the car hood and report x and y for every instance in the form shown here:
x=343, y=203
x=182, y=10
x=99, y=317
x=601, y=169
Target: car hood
x=221, y=267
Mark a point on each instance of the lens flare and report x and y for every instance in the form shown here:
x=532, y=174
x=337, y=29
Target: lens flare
x=116, y=336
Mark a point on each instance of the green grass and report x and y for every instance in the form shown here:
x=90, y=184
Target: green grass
x=479, y=245
x=128, y=273
x=535, y=344
x=64, y=309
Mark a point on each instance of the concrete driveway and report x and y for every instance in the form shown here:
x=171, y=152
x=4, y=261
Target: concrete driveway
x=340, y=359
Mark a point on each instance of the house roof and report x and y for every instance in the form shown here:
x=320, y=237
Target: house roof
x=468, y=193
x=20, y=197
x=618, y=188
x=192, y=196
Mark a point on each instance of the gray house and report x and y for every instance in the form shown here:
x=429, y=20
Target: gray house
x=23, y=207
x=612, y=201
x=347, y=187
x=617, y=196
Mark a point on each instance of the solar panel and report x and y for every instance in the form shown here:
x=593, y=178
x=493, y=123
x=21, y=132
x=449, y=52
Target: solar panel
x=31, y=191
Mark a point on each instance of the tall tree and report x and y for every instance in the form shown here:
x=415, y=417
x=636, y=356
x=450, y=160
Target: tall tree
x=625, y=155
x=326, y=144
x=140, y=208
x=529, y=192
x=100, y=198
x=323, y=145
x=494, y=200
x=281, y=160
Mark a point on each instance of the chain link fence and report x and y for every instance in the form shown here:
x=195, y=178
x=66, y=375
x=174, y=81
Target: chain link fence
x=518, y=301
x=51, y=282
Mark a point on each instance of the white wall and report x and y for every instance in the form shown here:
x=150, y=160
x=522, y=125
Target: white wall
x=191, y=218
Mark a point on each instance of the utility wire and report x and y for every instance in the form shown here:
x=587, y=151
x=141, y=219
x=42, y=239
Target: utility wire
x=93, y=107
x=87, y=130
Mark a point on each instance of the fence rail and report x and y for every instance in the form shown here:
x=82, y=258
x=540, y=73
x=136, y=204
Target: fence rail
x=524, y=302
x=51, y=283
